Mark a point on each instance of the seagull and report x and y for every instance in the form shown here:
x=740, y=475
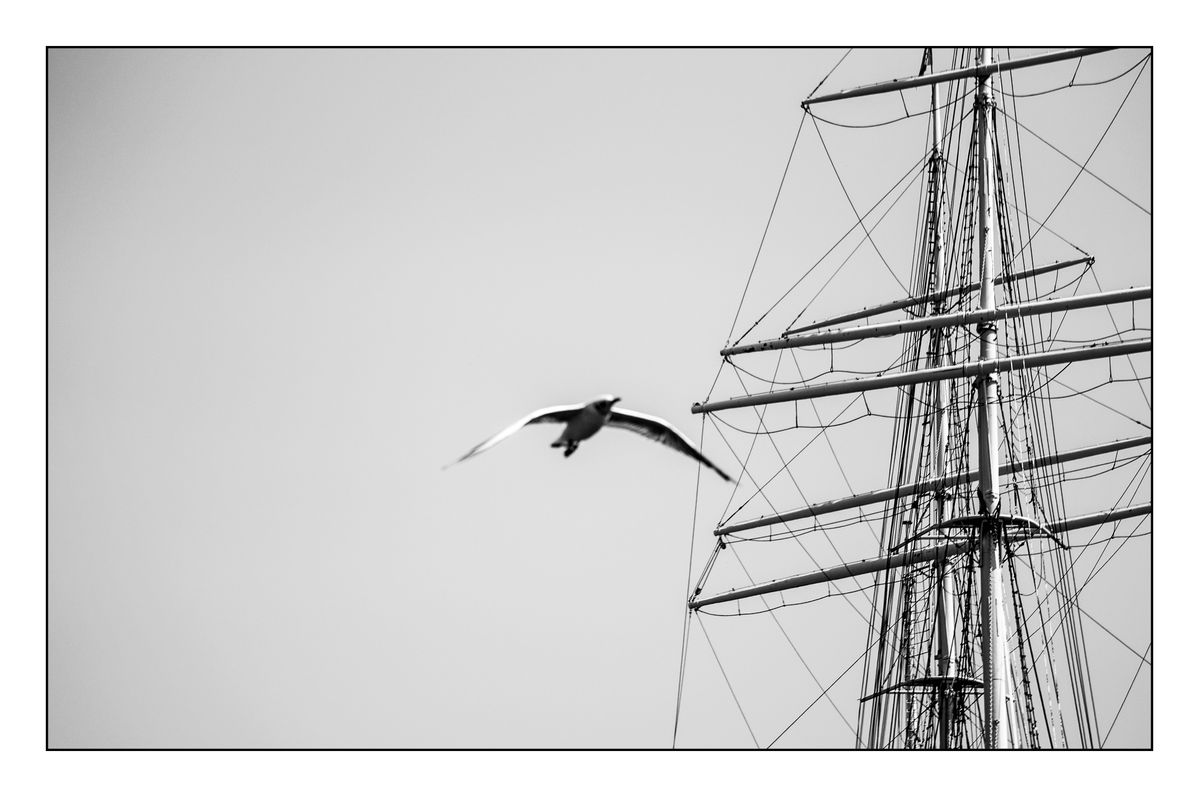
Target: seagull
x=584, y=420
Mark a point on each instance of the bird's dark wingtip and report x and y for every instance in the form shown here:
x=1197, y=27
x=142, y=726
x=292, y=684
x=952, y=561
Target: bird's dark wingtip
x=719, y=472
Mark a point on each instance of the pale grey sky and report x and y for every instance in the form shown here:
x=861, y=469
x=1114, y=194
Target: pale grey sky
x=287, y=286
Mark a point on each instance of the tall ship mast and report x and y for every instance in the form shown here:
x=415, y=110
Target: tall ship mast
x=991, y=587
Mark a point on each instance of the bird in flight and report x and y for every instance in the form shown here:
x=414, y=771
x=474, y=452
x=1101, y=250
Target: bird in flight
x=584, y=420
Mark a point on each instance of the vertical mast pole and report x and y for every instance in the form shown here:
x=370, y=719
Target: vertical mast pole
x=940, y=425
x=995, y=734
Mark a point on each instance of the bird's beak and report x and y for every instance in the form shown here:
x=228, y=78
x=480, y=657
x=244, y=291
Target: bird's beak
x=616, y=399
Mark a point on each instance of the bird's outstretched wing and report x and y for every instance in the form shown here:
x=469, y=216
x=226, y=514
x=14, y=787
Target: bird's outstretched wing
x=661, y=431
x=547, y=415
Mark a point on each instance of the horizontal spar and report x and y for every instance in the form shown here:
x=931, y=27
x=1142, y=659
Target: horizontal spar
x=877, y=564
x=957, y=74
x=976, y=368
x=858, y=568
x=931, y=485
x=928, y=298
x=941, y=321
x=1099, y=518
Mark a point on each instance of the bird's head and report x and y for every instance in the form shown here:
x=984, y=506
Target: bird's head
x=605, y=402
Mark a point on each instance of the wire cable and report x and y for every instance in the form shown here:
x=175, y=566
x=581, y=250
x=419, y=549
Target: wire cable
x=728, y=683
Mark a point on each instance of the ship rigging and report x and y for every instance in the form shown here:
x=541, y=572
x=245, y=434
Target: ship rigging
x=1019, y=460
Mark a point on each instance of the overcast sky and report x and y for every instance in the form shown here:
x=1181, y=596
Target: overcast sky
x=287, y=287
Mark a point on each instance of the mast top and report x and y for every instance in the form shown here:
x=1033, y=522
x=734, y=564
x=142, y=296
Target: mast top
x=982, y=70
